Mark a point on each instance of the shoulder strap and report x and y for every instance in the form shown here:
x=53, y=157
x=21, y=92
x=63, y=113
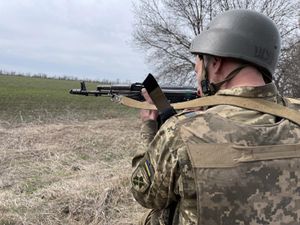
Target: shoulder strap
x=256, y=104
x=293, y=100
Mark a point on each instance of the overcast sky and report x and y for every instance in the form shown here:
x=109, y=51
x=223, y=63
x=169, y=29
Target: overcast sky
x=79, y=38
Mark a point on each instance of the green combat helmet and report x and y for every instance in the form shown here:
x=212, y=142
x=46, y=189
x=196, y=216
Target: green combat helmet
x=241, y=34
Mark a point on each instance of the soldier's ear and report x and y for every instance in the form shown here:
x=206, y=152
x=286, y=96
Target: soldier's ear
x=217, y=63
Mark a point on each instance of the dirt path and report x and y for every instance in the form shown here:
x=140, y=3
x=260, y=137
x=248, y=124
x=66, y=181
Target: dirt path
x=68, y=173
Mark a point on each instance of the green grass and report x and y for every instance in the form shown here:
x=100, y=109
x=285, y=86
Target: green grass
x=32, y=99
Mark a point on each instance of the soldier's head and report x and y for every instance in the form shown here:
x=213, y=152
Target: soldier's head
x=241, y=37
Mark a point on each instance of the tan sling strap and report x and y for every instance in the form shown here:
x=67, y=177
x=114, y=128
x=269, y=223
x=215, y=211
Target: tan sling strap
x=256, y=104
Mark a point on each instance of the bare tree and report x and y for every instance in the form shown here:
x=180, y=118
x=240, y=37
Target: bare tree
x=287, y=76
x=289, y=79
x=164, y=29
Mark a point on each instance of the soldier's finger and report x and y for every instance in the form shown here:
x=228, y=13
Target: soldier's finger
x=146, y=96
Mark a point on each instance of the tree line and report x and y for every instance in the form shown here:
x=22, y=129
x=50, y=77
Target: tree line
x=65, y=77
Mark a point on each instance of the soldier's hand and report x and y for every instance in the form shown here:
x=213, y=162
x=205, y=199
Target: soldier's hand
x=146, y=114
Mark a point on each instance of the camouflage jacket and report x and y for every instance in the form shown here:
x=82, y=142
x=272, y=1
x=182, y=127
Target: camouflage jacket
x=164, y=173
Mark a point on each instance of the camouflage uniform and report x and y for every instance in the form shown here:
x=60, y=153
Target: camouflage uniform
x=211, y=188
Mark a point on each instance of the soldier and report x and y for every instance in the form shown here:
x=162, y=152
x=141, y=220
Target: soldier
x=226, y=164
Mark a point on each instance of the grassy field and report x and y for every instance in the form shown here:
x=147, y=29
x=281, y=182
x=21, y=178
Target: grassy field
x=64, y=160
x=29, y=99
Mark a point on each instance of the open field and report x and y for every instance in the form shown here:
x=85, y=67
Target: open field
x=65, y=168
x=40, y=100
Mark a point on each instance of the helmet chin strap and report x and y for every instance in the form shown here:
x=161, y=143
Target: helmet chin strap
x=211, y=88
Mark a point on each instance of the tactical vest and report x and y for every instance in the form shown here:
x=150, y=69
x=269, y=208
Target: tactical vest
x=249, y=174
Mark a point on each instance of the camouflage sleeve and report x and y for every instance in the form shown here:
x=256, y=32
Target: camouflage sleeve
x=148, y=131
x=154, y=177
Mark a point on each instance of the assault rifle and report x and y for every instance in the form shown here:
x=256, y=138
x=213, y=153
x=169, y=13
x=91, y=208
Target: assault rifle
x=162, y=96
x=173, y=94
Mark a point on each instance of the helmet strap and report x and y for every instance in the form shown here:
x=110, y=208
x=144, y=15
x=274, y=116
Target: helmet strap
x=205, y=84
x=212, y=88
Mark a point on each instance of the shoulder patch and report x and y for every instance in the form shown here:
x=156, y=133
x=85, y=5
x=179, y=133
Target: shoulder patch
x=140, y=179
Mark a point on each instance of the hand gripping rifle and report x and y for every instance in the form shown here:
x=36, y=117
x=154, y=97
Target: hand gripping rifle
x=133, y=91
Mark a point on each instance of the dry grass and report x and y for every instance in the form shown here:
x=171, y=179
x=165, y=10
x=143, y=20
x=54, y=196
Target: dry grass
x=68, y=173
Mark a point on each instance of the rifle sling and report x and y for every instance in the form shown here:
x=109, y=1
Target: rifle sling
x=156, y=94
x=256, y=104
